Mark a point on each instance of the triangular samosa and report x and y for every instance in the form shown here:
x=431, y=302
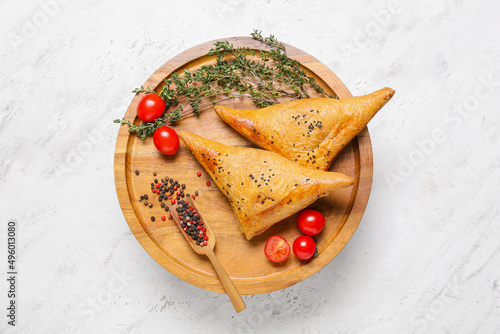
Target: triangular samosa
x=263, y=187
x=309, y=132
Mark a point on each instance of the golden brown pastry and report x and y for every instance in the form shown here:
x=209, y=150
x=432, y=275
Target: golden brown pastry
x=309, y=132
x=263, y=187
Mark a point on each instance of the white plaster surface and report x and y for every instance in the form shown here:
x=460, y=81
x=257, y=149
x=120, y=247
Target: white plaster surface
x=426, y=256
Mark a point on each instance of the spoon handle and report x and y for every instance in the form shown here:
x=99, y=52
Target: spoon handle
x=234, y=296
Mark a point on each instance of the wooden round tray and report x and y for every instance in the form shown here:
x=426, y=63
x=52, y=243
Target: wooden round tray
x=244, y=261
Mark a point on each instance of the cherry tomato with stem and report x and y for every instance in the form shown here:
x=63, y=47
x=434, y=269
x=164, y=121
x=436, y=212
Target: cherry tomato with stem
x=304, y=247
x=150, y=107
x=277, y=249
x=311, y=222
x=166, y=140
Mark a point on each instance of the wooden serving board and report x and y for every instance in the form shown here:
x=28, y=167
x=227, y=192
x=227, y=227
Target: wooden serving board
x=244, y=261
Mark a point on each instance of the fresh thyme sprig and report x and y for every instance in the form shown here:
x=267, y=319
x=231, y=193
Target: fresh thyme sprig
x=236, y=74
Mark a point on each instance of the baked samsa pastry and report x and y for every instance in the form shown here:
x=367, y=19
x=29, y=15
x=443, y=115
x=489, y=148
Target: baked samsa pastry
x=263, y=187
x=309, y=132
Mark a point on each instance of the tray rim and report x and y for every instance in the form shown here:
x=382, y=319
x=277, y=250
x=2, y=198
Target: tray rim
x=362, y=147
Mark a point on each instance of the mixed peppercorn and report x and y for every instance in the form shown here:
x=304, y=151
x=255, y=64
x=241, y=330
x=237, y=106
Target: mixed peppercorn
x=170, y=191
x=191, y=223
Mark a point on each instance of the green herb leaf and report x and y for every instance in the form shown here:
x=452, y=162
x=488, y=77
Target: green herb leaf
x=235, y=74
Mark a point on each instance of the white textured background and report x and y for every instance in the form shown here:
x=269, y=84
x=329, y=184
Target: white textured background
x=425, y=258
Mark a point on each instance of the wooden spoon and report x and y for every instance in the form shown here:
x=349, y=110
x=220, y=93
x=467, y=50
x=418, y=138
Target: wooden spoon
x=208, y=250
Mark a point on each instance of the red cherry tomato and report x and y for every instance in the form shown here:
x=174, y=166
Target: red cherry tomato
x=150, y=107
x=311, y=222
x=304, y=247
x=166, y=140
x=277, y=249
